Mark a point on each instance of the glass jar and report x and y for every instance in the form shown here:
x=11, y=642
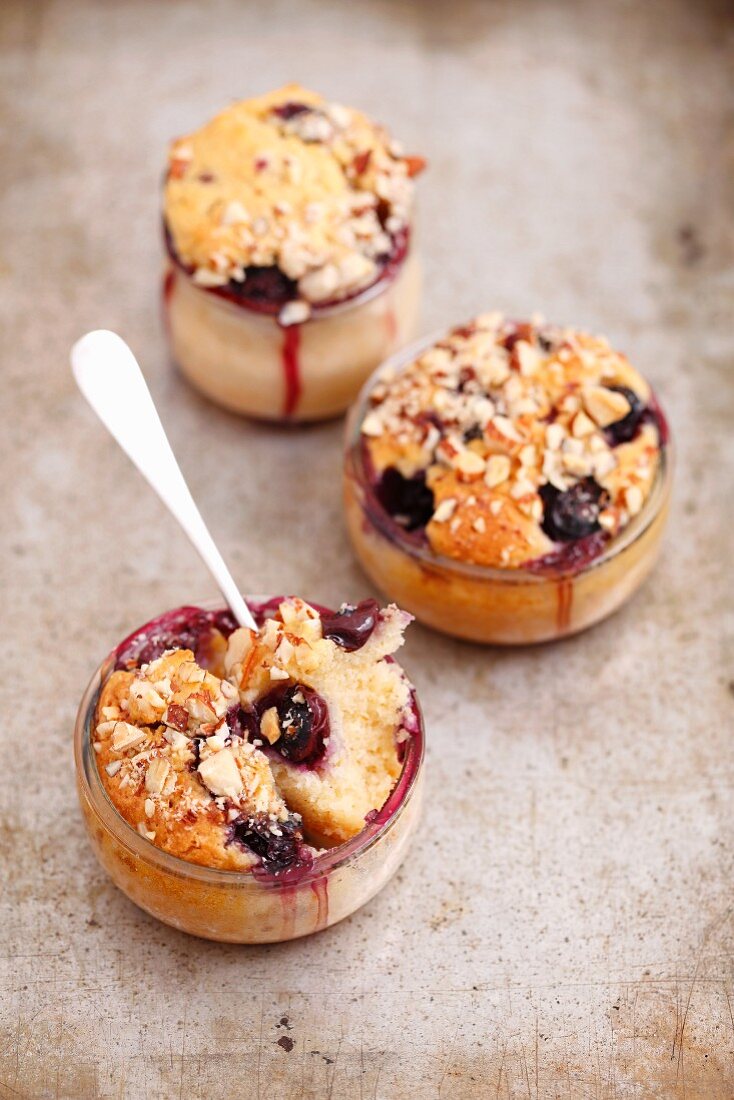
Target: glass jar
x=239, y=907
x=482, y=604
x=250, y=363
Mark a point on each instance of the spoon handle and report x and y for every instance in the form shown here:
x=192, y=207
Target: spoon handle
x=108, y=375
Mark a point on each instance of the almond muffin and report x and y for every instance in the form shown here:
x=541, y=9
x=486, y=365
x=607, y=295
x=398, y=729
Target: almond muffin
x=281, y=212
x=283, y=747
x=521, y=448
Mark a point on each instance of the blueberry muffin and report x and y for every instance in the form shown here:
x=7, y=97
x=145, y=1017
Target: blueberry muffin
x=246, y=750
x=291, y=271
x=517, y=447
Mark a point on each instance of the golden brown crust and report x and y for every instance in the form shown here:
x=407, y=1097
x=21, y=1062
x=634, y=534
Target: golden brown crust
x=288, y=180
x=495, y=411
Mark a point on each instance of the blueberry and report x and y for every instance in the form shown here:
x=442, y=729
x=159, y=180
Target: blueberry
x=303, y=717
x=239, y=722
x=622, y=431
x=279, y=845
x=290, y=110
x=352, y=626
x=264, y=286
x=573, y=514
x=407, y=499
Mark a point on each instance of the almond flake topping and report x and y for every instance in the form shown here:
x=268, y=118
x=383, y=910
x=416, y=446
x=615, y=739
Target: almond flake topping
x=582, y=425
x=505, y=426
x=469, y=464
x=270, y=726
x=445, y=510
x=294, y=313
x=221, y=775
x=633, y=499
x=498, y=470
x=605, y=406
x=156, y=775
x=126, y=736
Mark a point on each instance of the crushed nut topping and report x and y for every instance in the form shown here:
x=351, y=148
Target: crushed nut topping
x=499, y=420
x=289, y=180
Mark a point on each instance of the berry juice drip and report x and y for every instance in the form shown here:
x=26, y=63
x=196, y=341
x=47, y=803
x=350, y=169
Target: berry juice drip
x=291, y=369
x=168, y=284
x=169, y=281
x=320, y=890
x=565, y=604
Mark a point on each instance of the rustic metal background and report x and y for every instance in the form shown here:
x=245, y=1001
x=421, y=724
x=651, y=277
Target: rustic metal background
x=564, y=926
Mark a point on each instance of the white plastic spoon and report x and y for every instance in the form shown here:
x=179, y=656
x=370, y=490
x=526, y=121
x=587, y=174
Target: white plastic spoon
x=108, y=375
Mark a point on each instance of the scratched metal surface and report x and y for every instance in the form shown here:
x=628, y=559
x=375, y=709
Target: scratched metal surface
x=564, y=925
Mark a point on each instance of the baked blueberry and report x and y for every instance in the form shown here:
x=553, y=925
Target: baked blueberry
x=625, y=429
x=573, y=513
x=408, y=500
x=280, y=846
x=295, y=721
x=351, y=627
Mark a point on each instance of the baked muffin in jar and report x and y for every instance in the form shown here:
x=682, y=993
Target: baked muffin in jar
x=508, y=482
x=252, y=786
x=291, y=267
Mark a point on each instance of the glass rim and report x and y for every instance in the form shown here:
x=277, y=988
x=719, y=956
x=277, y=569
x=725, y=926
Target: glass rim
x=519, y=575
x=317, y=312
x=328, y=861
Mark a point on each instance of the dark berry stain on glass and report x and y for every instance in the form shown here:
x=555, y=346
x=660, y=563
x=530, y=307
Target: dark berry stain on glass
x=572, y=514
x=279, y=845
x=570, y=557
x=407, y=499
x=351, y=626
x=625, y=430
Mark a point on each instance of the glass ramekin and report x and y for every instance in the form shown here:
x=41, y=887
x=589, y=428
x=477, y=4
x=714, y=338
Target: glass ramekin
x=234, y=906
x=491, y=605
x=250, y=363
